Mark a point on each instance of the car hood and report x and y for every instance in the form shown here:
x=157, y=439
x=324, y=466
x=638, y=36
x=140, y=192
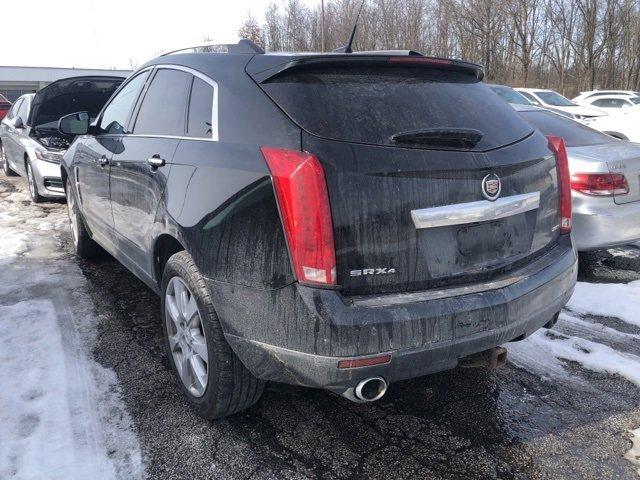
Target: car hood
x=70, y=95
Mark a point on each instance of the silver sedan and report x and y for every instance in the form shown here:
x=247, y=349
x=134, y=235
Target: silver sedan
x=605, y=181
x=30, y=142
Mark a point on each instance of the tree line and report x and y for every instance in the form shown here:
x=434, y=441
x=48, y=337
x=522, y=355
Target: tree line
x=566, y=45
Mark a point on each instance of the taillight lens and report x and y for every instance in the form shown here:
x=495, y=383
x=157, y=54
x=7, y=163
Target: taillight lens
x=301, y=192
x=557, y=146
x=600, y=184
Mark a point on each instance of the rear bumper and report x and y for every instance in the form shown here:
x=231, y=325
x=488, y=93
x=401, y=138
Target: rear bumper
x=297, y=334
x=599, y=224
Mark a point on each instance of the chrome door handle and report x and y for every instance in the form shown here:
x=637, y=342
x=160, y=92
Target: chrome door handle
x=156, y=161
x=104, y=161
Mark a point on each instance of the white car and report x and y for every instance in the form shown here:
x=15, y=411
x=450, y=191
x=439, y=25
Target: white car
x=624, y=124
x=553, y=100
x=593, y=94
x=611, y=103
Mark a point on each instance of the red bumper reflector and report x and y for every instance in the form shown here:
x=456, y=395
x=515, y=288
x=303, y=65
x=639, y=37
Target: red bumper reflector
x=364, y=362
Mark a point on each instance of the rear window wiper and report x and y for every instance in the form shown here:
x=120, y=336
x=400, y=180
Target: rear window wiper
x=463, y=138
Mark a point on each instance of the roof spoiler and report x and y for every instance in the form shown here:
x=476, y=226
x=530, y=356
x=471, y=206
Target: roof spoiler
x=243, y=46
x=266, y=67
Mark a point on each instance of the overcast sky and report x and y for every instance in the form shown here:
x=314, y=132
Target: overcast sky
x=115, y=33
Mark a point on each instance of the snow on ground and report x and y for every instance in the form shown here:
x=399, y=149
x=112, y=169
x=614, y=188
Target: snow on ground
x=608, y=299
x=633, y=455
x=544, y=353
x=61, y=415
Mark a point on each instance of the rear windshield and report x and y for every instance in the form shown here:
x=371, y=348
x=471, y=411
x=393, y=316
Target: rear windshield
x=509, y=95
x=575, y=134
x=370, y=104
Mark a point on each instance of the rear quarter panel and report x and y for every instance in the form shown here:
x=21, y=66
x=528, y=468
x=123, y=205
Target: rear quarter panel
x=219, y=201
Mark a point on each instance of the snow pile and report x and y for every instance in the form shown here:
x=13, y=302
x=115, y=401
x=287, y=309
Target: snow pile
x=543, y=351
x=61, y=414
x=12, y=242
x=45, y=432
x=611, y=300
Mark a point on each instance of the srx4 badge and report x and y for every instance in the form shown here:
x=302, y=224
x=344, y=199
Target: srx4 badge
x=373, y=271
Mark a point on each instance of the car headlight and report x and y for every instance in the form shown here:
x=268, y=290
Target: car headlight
x=47, y=156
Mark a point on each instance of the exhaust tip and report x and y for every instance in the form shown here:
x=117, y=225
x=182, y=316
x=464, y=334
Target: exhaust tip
x=371, y=389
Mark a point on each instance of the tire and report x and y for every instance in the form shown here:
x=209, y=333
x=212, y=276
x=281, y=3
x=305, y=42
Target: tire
x=229, y=386
x=5, y=164
x=84, y=246
x=33, y=187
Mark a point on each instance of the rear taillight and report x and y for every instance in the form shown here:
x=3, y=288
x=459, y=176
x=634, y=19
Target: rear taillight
x=557, y=146
x=301, y=192
x=600, y=184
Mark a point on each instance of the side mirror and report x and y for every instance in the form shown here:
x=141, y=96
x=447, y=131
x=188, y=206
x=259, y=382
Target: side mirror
x=74, y=123
x=18, y=123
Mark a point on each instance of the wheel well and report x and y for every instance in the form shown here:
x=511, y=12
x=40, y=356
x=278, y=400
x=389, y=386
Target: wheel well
x=26, y=159
x=165, y=247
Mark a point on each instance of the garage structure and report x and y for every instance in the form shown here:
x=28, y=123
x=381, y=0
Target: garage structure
x=16, y=81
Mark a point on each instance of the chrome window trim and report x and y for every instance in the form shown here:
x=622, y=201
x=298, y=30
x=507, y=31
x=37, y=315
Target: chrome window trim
x=129, y=79
x=214, y=106
x=472, y=212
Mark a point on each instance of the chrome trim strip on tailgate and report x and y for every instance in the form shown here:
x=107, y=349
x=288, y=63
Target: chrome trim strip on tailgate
x=471, y=212
x=546, y=260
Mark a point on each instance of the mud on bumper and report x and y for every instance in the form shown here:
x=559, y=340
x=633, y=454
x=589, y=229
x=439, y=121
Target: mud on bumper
x=297, y=334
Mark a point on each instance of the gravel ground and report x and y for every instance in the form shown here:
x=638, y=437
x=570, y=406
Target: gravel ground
x=462, y=424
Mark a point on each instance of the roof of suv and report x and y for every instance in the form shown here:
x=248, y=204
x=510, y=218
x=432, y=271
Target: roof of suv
x=209, y=59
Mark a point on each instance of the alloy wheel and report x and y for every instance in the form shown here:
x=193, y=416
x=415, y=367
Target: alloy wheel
x=186, y=335
x=31, y=180
x=5, y=165
x=73, y=215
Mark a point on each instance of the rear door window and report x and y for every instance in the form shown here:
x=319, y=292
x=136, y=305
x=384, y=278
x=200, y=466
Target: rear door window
x=575, y=134
x=164, y=107
x=199, y=122
x=370, y=104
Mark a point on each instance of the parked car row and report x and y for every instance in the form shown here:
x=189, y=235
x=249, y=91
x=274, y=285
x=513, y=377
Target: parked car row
x=31, y=144
x=339, y=221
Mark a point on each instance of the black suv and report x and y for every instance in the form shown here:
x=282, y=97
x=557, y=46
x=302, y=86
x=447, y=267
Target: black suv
x=340, y=221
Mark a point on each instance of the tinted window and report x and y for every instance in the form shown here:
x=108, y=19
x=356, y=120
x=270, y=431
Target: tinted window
x=370, y=104
x=509, y=95
x=14, y=109
x=575, y=134
x=611, y=103
x=23, y=110
x=200, y=109
x=555, y=99
x=115, y=116
x=164, y=107
x=529, y=97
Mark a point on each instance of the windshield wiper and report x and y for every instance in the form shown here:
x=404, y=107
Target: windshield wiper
x=463, y=138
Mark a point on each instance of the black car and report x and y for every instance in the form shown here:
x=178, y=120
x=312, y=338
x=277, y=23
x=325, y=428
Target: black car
x=340, y=221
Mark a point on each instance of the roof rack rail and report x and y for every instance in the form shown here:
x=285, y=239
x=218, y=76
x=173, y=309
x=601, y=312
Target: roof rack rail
x=243, y=46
